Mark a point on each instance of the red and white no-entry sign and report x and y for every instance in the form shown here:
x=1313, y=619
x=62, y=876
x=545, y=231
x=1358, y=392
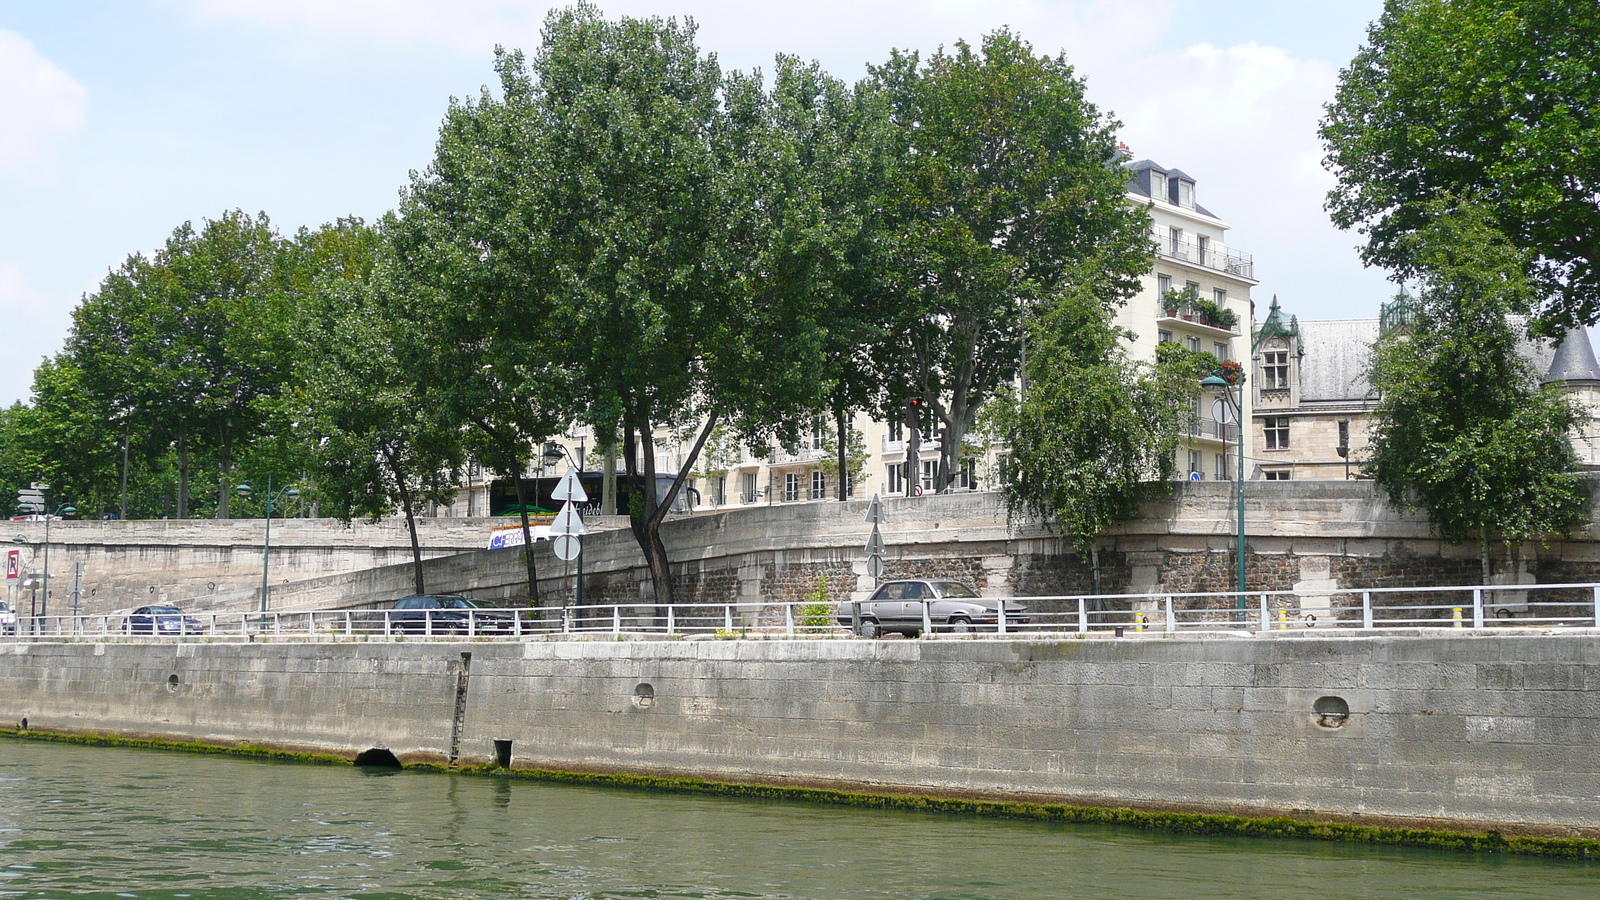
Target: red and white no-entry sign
x=13, y=564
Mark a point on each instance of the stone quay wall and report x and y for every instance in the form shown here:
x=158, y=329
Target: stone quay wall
x=1299, y=535
x=1435, y=730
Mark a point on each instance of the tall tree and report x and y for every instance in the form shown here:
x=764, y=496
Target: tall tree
x=1008, y=190
x=1095, y=434
x=1463, y=428
x=1496, y=102
x=381, y=445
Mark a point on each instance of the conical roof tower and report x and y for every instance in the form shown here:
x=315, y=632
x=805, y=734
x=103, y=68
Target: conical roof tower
x=1574, y=359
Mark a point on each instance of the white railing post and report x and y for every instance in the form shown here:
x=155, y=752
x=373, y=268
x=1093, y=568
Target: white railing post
x=1266, y=619
x=1000, y=617
x=727, y=618
x=1083, y=616
x=277, y=624
x=672, y=621
x=1172, y=619
x=566, y=621
x=788, y=620
x=1477, y=607
x=927, y=620
x=616, y=620
x=1597, y=606
x=1366, y=610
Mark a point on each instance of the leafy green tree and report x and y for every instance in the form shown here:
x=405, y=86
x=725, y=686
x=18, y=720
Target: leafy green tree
x=1095, y=434
x=1463, y=428
x=1007, y=191
x=380, y=444
x=1490, y=101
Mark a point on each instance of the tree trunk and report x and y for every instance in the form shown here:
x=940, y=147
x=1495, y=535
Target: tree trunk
x=844, y=473
x=913, y=474
x=183, y=477
x=647, y=519
x=608, y=483
x=527, y=539
x=224, y=490
x=411, y=518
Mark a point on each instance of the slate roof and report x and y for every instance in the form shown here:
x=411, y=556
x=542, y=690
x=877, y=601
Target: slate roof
x=1574, y=359
x=1336, y=358
x=1139, y=182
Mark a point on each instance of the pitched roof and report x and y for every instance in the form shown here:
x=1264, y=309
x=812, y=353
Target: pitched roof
x=1573, y=359
x=1336, y=360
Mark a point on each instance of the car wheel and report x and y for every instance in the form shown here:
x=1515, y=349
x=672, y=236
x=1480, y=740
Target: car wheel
x=960, y=625
x=869, y=629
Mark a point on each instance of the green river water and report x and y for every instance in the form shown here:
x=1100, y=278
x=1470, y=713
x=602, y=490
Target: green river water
x=123, y=823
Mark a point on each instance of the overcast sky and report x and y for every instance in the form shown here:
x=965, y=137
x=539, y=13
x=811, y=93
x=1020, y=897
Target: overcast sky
x=122, y=119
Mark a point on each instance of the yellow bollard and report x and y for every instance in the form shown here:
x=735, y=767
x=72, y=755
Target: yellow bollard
x=1455, y=614
x=1138, y=621
x=1283, y=619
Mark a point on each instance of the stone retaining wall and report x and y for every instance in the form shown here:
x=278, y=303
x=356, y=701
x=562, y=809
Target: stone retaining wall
x=1435, y=730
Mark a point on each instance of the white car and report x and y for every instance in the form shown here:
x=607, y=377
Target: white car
x=8, y=619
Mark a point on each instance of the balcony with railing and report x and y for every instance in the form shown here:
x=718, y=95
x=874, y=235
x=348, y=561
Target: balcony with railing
x=1205, y=253
x=1210, y=429
x=1177, y=308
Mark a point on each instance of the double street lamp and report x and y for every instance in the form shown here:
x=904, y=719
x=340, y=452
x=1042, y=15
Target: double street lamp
x=272, y=499
x=1234, y=395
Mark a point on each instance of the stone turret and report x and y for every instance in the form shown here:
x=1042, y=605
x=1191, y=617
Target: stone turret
x=1574, y=360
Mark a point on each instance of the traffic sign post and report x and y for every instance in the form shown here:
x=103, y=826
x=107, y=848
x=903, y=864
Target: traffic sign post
x=567, y=530
x=874, y=548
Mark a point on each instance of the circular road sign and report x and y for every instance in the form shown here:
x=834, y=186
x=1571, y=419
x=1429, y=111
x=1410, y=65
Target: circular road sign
x=567, y=546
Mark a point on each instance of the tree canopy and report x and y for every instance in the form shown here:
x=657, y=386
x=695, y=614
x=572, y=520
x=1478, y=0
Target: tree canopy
x=1493, y=102
x=1463, y=428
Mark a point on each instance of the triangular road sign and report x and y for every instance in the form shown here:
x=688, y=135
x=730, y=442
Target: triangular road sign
x=570, y=488
x=875, y=543
x=875, y=510
x=568, y=521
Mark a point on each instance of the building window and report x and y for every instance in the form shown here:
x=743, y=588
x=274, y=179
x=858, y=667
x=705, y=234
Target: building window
x=1194, y=464
x=1219, y=297
x=1191, y=289
x=719, y=490
x=1185, y=193
x=1192, y=342
x=751, y=492
x=897, y=432
x=1276, y=474
x=1164, y=337
x=1202, y=244
x=791, y=487
x=1275, y=371
x=896, y=483
x=1163, y=284
x=1175, y=235
x=930, y=474
x=1277, y=432
x=1158, y=184
x=819, y=432
x=1221, y=467
x=819, y=485
x=1219, y=350
x=967, y=478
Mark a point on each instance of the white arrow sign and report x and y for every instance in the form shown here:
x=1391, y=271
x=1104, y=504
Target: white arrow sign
x=570, y=488
x=875, y=510
x=568, y=521
x=875, y=543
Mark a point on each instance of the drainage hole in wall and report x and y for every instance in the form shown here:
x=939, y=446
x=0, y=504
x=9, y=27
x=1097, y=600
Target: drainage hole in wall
x=377, y=758
x=644, y=696
x=502, y=753
x=1331, y=712
x=172, y=684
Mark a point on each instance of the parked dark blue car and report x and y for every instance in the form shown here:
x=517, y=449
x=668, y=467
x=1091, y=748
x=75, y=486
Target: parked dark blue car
x=445, y=614
x=162, y=620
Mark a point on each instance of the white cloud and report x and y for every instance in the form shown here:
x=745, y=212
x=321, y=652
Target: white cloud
x=39, y=104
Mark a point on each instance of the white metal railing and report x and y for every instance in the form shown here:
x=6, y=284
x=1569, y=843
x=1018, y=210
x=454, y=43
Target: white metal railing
x=1207, y=427
x=1486, y=607
x=1210, y=254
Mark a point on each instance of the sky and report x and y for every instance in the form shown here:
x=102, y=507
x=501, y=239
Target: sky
x=122, y=119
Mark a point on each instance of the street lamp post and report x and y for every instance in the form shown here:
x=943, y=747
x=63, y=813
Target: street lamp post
x=62, y=510
x=553, y=452
x=266, y=544
x=1218, y=383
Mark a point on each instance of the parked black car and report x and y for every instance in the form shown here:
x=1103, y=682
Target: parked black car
x=162, y=620
x=448, y=615
x=952, y=606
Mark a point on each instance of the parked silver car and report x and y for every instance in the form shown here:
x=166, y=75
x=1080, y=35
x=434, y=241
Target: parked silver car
x=952, y=606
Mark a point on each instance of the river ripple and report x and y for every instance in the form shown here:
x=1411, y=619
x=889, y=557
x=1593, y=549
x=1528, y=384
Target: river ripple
x=108, y=822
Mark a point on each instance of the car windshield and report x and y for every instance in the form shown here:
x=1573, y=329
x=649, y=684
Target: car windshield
x=164, y=610
x=458, y=603
x=954, y=589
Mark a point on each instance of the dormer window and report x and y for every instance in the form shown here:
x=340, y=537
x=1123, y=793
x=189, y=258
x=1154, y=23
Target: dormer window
x=1158, y=184
x=1186, y=194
